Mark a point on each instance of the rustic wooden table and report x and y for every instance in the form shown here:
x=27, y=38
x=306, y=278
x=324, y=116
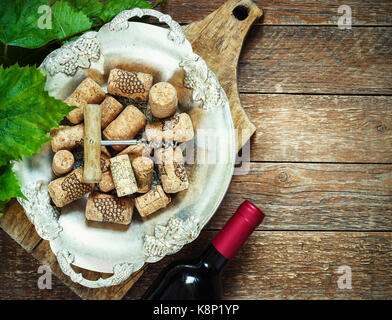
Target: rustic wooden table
x=321, y=168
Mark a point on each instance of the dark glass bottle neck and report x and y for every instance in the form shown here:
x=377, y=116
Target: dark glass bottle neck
x=213, y=260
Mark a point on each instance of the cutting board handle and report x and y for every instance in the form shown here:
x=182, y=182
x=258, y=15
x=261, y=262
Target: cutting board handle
x=218, y=39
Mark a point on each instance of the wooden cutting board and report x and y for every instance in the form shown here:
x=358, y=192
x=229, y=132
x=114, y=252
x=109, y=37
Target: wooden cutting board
x=218, y=40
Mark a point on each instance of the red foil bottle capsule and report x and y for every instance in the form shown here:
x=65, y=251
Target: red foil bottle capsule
x=238, y=229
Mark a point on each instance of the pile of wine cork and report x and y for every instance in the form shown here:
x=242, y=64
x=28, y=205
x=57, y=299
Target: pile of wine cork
x=127, y=172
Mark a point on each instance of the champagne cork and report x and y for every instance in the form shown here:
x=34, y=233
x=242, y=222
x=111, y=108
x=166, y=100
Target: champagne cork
x=126, y=126
x=152, y=201
x=137, y=150
x=129, y=84
x=69, y=188
x=67, y=137
x=87, y=92
x=123, y=176
x=109, y=208
x=144, y=169
x=163, y=100
x=106, y=184
x=172, y=170
x=63, y=162
x=110, y=108
x=177, y=128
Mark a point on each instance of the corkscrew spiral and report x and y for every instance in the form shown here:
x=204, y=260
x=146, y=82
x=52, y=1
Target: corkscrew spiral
x=162, y=144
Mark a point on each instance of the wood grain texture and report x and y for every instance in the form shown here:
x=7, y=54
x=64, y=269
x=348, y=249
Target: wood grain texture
x=291, y=12
x=320, y=128
x=92, y=148
x=274, y=265
x=313, y=196
x=218, y=39
x=316, y=60
x=18, y=226
x=19, y=275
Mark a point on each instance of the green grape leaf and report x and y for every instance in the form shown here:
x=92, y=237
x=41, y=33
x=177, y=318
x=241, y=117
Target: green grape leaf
x=27, y=112
x=91, y=8
x=113, y=7
x=9, y=185
x=29, y=23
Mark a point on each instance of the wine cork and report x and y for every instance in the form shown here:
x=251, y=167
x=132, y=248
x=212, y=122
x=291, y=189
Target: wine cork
x=67, y=137
x=106, y=184
x=126, y=126
x=129, y=84
x=163, y=100
x=110, y=108
x=123, y=176
x=63, y=162
x=154, y=132
x=137, y=150
x=144, y=169
x=87, y=92
x=105, y=151
x=172, y=170
x=152, y=201
x=177, y=128
x=69, y=188
x=109, y=208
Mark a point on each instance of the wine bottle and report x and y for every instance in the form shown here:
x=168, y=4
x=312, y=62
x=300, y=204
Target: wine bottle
x=200, y=279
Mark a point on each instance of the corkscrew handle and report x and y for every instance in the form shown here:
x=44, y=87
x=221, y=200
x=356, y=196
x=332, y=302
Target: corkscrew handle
x=92, y=143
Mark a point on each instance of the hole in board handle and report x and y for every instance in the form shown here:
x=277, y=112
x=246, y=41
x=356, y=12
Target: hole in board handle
x=241, y=12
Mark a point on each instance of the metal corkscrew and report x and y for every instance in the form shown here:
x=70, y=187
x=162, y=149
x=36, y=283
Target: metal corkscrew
x=151, y=144
x=93, y=142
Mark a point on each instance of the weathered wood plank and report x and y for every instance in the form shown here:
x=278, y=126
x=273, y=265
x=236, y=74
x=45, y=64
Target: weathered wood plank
x=313, y=196
x=19, y=275
x=274, y=265
x=18, y=226
x=292, y=12
x=316, y=60
x=298, y=265
x=309, y=128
